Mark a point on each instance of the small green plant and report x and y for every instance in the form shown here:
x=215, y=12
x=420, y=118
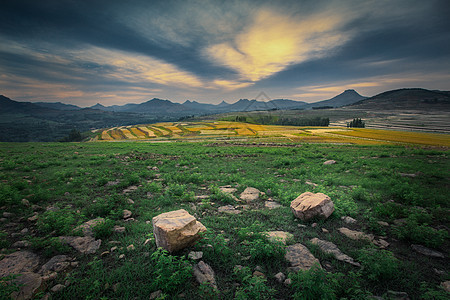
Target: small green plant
x=103, y=229
x=252, y=287
x=61, y=221
x=49, y=246
x=218, y=195
x=315, y=283
x=4, y=242
x=169, y=271
x=378, y=265
x=8, y=286
x=429, y=293
x=422, y=234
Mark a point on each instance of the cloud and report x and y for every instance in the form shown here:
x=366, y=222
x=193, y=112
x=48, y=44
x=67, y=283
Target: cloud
x=275, y=41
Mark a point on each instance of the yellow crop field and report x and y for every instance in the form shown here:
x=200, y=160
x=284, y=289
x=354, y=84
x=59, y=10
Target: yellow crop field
x=272, y=133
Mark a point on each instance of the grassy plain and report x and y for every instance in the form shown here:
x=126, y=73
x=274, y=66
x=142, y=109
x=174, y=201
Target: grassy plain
x=83, y=181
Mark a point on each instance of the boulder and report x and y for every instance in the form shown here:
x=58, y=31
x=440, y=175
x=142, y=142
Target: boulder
x=330, y=248
x=227, y=189
x=348, y=220
x=250, y=194
x=280, y=236
x=57, y=263
x=280, y=277
x=300, y=258
x=309, y=205
x=446, y=285
x=426, y=251
x=356, y=235
x=204, y=274
x=29, y=284
x=18, y=262
x=85, y=245
x=176, y=230
x=195, y=255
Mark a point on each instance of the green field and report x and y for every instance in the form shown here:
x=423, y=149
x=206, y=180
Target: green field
x=66, y=184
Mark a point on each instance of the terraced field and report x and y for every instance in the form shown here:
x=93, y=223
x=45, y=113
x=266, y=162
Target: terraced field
x=220, y=130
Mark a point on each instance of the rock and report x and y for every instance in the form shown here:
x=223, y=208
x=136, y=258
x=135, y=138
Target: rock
x=127, y=213
x=287, y=282
x=348, y=220
x=279, y=236
x=300, y=258
x=280, y=277
x=51, y=276
x=426, y=251
x=87, y=227
x=272, y=204
x=33, y=218
x=311, y=183
x=112, y=183
x=29, y=284
x=104, y=253
x=130, y=201
x=393, y=295
x=250, y=194
x=330, y=248
x=131, y=247
x=118, y=229
x=176, y=230
x=324, y=230
x=25, y=202
x=258, y=274
x=227, y=189
x=18, y=262
x=195, y=255
x=382, y=223
x=113, y=249
x=400, y=222
x=381, y=243
x=329, y=162
x=355, y=235
x=155, y=295
x=57, y=288
x=85, y=245
x=204, y=274
x=21, y=244
x=229, y=209
x=410, y=175
x=129, y=189
x=7, y=214
x=121, y=256
x=57, y=263
x=309, y=205
x=446, y=286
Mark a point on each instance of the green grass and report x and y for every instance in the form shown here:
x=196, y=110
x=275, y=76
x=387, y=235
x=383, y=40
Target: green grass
x=71, y=184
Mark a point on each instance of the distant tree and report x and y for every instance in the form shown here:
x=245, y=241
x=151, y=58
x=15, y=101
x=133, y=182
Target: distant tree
x=73, y=136
x=356, y=123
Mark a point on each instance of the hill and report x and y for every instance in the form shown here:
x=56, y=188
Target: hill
x=406, y=99
x=346, y=98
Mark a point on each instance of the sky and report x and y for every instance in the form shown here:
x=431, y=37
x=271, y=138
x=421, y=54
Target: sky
x=115, y=52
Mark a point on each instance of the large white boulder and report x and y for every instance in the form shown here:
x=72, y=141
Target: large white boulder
x=309, y=205
x=176, y=230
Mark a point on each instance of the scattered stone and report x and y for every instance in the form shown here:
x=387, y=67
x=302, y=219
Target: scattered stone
x=272, y=204
x=7, y=214
x=258, y=274
x=74, y=264
x=51, y=276
x=67, y=194
x=127, y=214
x=25, y=202
x=24, y=231
x=58, y=288
x=104, y=253
x=18, y=262
x=355, y=235
x=195, y=255
x=314, y=225
x=118, y=229
x=129, y=220
x=57, y=263
x=301, y=226
x=121, y=256
x=279, y=236
x=147, y=241
x=113, y=249
x=229, y=209
x=202, y=197
x=29, y=284
x=309, y=205
x=87, y=227
x=311, y=183
x=204, y=274
x=33, y=218
x=393, y=295
x=129, y=189
x=280, y=277
x=439, y=272
x=227, y=189
x=287, y=282
x=112, y=183
x=300, y=258
x=348, y=220
x=400, y=222
x=329, y=162
x=330, y=248
x=130, y=201
x=410, y=175
x=324, y=230
x=21, y=244
x=85, y=245
x=131, y=247
x=382, y=223
x=446, y=286
x=426, y=251
x=3, y=220
x=250, y=194
x=176, y=230
x=381, y=243
x=155, y=295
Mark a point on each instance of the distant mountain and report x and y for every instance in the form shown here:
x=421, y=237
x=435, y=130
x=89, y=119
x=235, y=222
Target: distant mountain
x=345, y=98
x=406, y=99
x=57, y=105
x=287, y=104
x=194, y=105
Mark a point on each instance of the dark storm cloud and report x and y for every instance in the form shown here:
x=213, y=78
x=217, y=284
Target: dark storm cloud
x=219, y=49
